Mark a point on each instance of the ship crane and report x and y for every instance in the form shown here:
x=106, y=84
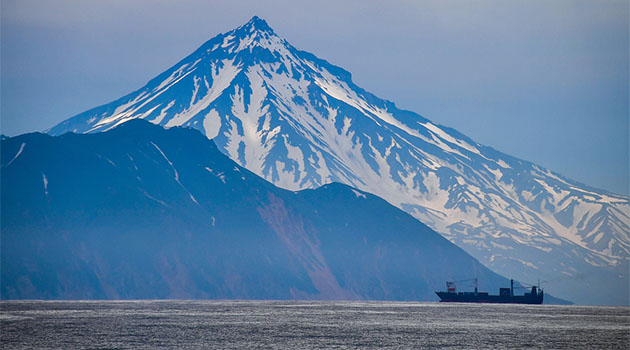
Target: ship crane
x=451, y=288
x=528, y=285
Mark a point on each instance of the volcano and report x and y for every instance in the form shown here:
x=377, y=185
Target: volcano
x=300, y=122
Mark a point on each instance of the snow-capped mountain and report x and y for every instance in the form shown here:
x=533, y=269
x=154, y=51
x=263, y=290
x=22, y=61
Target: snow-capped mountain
x=300, y=122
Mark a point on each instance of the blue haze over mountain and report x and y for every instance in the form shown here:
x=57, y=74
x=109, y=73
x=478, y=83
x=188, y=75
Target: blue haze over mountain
x=300, y=122
x=144, y=212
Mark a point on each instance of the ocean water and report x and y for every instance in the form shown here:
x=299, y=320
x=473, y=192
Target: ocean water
x=308, y=325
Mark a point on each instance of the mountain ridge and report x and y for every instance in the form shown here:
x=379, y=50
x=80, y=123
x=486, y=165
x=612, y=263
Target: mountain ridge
x=140, y=215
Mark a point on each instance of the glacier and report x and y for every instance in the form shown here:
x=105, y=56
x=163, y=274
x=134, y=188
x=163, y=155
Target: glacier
x=300, y=122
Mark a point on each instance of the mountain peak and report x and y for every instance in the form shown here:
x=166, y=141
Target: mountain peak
x=255, y=33
x=256, y=24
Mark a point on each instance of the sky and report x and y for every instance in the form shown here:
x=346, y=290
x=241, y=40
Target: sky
x=545, y=81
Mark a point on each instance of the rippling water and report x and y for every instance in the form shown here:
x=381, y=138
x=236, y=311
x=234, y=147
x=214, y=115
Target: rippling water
x=304, y=325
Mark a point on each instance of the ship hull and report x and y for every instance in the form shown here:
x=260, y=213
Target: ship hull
x=447, y=297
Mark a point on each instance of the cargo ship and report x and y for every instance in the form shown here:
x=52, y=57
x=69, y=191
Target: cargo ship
x=506, y=295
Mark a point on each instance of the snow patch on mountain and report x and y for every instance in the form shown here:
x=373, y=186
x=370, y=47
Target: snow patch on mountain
x=45, y=181
x=16, y=155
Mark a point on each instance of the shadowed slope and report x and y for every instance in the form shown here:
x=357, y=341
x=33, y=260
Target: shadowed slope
x=143, y=212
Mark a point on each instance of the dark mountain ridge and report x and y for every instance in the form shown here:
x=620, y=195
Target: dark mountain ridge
x=143, y=212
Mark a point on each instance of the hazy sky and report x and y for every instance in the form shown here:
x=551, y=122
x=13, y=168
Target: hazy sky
x=546, y=81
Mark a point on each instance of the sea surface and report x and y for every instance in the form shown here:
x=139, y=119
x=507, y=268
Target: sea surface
x=308, y=325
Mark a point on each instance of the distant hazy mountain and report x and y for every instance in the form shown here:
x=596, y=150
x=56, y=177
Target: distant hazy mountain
x=300, y=122
x=143, y=212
